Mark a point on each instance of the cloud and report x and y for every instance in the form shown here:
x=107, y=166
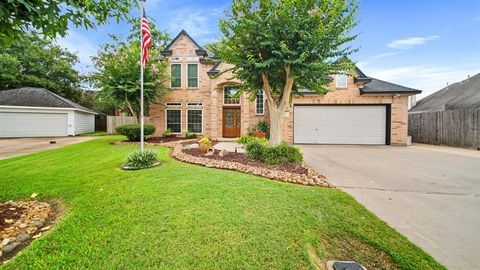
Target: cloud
x=201, y=24
x=387, y=54
x=82, y=45
x=362, y=64
x=411, y=42
x=428, y=78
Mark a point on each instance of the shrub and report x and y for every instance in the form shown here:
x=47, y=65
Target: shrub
x=263, y=125
x=259, y=134
x=205, y=140
x=256, y=150
x=167, y=133
x=133, y=131
x=139, y=160
x=190, y=135
x=283, y=154
x=245, y=139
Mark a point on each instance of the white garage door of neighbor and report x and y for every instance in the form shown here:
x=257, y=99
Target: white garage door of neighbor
x=340, y=124
x=19, y=124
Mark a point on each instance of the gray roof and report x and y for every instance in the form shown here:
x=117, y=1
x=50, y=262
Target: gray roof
x=199, y=51
x=457, y=96
x=375, y=86
x=37, y=97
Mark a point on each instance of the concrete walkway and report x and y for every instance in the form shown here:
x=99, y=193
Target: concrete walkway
x=22, y=146
x=430, y=194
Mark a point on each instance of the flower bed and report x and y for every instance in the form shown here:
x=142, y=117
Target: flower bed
x=302, y=174
x=20, y=223
x=299, y=174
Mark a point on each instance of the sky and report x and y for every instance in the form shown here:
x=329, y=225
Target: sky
x=423, y=44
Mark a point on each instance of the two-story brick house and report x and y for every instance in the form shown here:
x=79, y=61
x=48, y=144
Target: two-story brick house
x=360, y=110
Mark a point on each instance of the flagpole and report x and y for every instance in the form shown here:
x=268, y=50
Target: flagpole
x=141, y=81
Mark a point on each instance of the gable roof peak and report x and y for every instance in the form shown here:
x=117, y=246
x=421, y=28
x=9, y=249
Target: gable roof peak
x=200, y=51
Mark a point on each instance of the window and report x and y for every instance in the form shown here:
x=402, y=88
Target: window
x=192, y=73
x=231, y=96
x=174, y=120
x=341, y=81
x=260, y=103
x=176, y=70
x=194, y=121
x=194, y=104
x=173, y=104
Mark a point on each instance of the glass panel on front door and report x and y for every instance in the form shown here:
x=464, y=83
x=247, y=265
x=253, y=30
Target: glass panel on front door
x=229, y=118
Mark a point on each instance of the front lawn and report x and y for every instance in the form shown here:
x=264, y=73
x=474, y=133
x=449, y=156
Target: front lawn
x=183, y=216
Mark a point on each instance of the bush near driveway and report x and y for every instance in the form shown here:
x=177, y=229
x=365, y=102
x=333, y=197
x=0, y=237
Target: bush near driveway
x=179, y=216
x=273, y=155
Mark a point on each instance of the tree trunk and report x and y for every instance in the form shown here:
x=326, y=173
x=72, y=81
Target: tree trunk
x=276, y=124
x=277, y=105
x=130, y=108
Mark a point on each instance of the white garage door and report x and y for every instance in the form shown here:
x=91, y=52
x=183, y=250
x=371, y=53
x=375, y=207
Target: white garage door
x=340, y=124
x=16, y=124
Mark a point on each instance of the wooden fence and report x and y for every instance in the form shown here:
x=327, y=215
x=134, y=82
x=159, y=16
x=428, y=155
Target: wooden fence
x=458, y=128
x=115, y=121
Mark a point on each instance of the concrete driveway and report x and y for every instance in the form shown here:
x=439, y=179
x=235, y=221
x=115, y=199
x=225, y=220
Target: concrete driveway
x=22, y=146
x=431, y=194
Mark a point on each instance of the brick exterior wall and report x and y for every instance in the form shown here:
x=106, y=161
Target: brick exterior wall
x=210, y=93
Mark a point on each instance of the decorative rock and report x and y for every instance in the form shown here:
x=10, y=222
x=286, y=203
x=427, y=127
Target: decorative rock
x=23, y=237
x=22, y=226
x=5, y=241
x=1, y=253
x=9, y=248
x=38, y=223
x=223, y=153
x=46, y=228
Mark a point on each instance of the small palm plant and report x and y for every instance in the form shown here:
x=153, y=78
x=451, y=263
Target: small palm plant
x=138, y=160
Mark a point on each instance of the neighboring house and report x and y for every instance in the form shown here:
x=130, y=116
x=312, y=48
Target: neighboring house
x=457, y=96
x=37, y=112
x=360, y=110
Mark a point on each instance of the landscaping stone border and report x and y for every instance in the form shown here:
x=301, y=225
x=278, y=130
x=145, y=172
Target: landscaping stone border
x=312, y=178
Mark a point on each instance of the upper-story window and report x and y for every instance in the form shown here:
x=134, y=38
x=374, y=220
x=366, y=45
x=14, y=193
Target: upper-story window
x=341, y=80
x=260, y=103
x=192, y=74
x=176, y=73
x=231, y=95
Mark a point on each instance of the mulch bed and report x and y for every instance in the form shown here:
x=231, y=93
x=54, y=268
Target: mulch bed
x=164, y=139
x=243, y=159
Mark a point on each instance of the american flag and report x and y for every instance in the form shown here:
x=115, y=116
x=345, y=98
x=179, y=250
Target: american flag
x=146, y=38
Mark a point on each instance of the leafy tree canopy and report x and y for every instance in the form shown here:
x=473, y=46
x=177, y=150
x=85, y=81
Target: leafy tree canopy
x=118, y=70
x=282, y=46
x=52, y=18
x=39, y=62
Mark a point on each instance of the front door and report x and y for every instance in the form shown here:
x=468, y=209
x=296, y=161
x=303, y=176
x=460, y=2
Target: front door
x=231, y=122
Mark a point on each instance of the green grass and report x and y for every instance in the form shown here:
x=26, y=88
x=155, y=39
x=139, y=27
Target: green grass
x=182, y=216
x=96, y=133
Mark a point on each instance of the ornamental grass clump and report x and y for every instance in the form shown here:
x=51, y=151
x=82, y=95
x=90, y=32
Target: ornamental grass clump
x=138, y=160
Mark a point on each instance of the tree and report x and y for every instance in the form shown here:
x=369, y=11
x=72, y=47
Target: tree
x=282, y=46
x=38, y=62
x=118, y=70
x=52, y=18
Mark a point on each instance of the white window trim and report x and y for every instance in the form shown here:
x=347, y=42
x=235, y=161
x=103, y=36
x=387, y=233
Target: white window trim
x=263, y=100
x=195, y=104
x=346, y=81
x=198, y=75
x=181, y=122
x=202, y=118
x=177, y=104
x=227, y=104
x=181, y=75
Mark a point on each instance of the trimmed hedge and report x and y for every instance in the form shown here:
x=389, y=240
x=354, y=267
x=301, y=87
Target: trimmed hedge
x=133, y=131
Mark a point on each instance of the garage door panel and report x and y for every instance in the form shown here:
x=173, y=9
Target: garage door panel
x=20, y=124
x=340, y=124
